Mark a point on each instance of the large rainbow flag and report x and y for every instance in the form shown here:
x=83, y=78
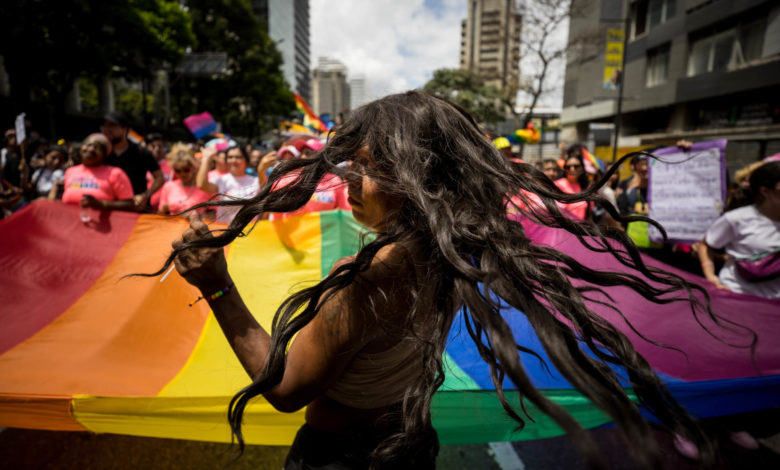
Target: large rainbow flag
x=82, y=349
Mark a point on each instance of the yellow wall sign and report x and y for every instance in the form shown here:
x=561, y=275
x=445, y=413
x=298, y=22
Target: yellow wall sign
x=613, y=59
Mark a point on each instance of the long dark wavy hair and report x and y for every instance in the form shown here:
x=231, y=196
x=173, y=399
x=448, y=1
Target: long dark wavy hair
x=454, y=186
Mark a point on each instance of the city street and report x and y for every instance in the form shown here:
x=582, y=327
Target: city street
x=29, y=449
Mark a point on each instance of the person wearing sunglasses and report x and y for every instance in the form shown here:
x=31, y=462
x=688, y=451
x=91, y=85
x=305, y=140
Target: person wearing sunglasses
x=181, y=193
x=574, y=181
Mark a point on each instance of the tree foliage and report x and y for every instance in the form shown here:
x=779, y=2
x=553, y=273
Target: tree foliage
x=250, y=97
x=544, y=47
x=48, y=45
x=469, y=90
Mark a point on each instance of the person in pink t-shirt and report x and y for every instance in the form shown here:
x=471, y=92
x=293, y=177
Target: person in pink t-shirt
x=182, y=193
x=93, y=184
x=575, y=181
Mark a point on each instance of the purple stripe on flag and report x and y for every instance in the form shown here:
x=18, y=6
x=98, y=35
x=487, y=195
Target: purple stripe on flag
x=720, y=351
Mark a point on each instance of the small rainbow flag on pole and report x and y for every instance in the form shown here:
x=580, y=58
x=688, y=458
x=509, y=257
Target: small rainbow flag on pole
x=310, y=119
x=201, y=124
x=598, y=164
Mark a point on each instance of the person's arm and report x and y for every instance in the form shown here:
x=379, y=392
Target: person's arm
x=270, y=159
x=707, y=260
x=321, y=350
x=55, y=190
x=121, y=204
x=142, y=200
x=202, y=178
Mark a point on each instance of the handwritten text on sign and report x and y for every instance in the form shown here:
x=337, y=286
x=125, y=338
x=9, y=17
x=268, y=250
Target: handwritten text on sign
x=686, y=193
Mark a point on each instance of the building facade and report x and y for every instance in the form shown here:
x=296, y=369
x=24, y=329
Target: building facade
x=694, y=69
x=359, y=93
x=490, y=41
x=287, y=23
x=330, y=90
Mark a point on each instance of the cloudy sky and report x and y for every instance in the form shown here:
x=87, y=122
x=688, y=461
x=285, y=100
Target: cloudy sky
x=396, y=44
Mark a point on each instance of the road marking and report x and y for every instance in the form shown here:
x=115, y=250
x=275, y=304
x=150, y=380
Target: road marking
x=505, y=456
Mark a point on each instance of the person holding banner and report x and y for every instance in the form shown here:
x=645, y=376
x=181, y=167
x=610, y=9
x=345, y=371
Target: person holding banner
x=93, y=184
x=181, y=193
x=363, y=348
x=751, y=237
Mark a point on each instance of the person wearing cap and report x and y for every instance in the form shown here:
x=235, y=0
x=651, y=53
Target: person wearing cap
x=504, y=146
x=95, y=184
x=134, y=160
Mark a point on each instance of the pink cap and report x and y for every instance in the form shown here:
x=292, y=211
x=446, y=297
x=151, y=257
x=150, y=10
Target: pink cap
x=314, y=144
x=288, y=148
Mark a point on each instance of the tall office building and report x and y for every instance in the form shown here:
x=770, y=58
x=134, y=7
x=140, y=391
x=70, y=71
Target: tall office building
x=287, y=23
x=358, y=91
x=330, y=90
x=490, y=41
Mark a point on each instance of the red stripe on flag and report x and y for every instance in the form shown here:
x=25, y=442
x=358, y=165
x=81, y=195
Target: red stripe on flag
x=49, y=259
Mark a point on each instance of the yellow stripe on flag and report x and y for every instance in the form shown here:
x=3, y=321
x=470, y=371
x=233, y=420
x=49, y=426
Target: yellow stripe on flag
x=275, y=259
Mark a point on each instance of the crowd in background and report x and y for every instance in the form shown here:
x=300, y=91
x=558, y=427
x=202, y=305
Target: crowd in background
x=108, y=171
x=746, y=235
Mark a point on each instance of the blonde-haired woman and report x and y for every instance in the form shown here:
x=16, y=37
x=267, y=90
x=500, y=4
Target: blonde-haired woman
x=182, y=193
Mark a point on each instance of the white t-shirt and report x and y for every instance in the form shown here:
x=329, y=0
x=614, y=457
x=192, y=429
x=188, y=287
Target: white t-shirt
x=45, y=179
x=243, y=187
x=745, y=232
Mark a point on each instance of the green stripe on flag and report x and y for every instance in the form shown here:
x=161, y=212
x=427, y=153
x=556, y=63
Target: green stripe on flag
x=341, y=236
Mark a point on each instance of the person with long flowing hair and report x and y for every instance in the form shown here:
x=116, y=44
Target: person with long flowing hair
x=362, y=349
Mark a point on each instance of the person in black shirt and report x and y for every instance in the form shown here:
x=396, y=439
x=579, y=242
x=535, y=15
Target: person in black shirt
x=134, y=160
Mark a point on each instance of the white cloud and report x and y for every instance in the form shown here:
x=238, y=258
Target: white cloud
x=395, y=44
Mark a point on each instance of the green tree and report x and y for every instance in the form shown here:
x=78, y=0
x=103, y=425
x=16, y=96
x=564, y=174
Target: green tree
x=252, y=95
x=468, y=90
x=48, y=45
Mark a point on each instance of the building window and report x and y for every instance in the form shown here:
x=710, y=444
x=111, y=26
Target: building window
x=657, y=66
x=646, y=14
x=660, y=11
x=727, y=50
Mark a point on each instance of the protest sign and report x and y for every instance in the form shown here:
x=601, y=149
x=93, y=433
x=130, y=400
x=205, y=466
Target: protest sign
x=687, y=189
x=21, y=133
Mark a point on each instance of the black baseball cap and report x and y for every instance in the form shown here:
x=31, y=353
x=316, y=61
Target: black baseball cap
x=117, y=118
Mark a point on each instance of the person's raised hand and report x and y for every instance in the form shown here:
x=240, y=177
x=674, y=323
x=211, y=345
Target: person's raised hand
x=684, y=144
x=209, y=152
x=204, y=267
x=268, y=160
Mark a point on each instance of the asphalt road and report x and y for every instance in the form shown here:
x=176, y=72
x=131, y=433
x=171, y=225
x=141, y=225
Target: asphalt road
x=32, y=449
